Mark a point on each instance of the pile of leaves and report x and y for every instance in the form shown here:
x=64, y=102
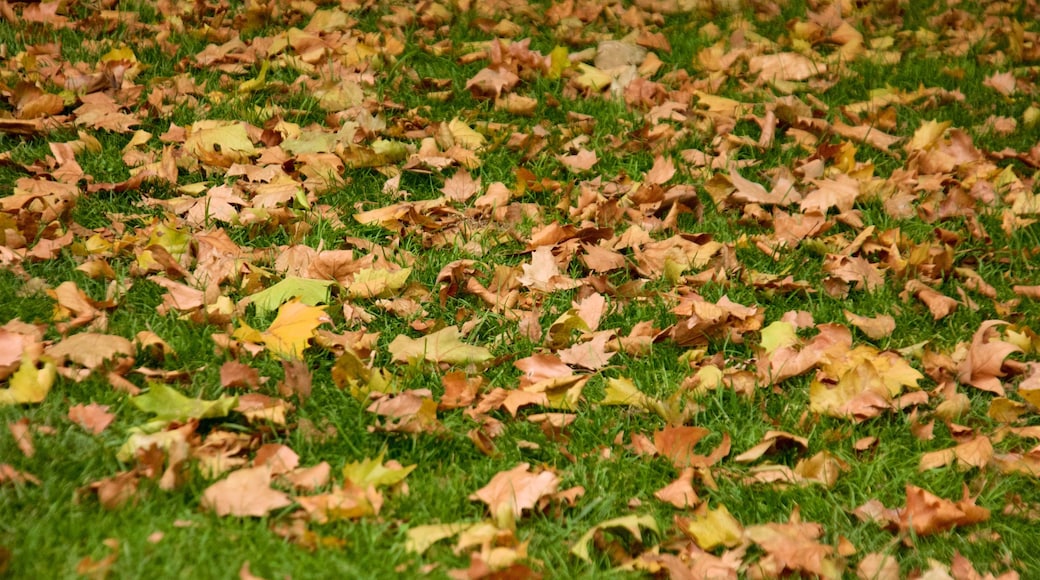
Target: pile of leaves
x=704, y=240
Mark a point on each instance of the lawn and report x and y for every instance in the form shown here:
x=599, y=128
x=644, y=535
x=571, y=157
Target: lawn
x=665, y=288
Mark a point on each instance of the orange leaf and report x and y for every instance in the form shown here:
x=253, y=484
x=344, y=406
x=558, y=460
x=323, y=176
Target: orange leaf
x=982, y=367
x=293, y=328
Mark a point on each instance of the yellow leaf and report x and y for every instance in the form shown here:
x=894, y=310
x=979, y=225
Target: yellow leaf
x=464, y=135
x=630, y=523
x=372, y=282
x=29, y=384
x=251, y=85
x=219, y=143
x=715, y=528
x=445, y=345
x=927, y=135
x=559, y=61
x=420, y=538
x=778, y=335
x=293, y=328
x=124, y=53
x=591, y=78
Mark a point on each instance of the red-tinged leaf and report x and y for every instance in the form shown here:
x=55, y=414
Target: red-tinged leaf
x=93, y=417
x=246, y=492
x=234, y=374
x=12, y=475
x=114, y=492
x=591, y=355
x=309, y=478
x=662, y=171
x=878, y=566
x=348, y=502
x=938, y=303
x=22, y=436
x=794, y=548
x=680, y=492
x=981, y=368
x=926, y=513
x=677, y=443
x=513, y=491
x=280, y=458
x=1004, y=83
x=490, y=83
x=583, y=160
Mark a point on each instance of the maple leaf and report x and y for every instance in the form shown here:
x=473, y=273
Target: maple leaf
x=372, y=282
x=713, y=528
x=307, y=290
x=510, y=492
x=793, y=547
x=876, y=328
x=633, y=524
x=374, y=472
x=293, y=328
x=785, y=66
x=246, y=492
x=445, y=345
x=680, y=492
x=461, y=186
x=926, y=513
x=91, y=349
x=219, y=143
x=420, y=538
x=30, y=383
x=169, y=405
x=93, y=417
x=23, y=436
x=981, y=368
x=492, y=82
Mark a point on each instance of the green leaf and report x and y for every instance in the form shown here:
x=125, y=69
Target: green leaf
x=168, y=404
x=310, y=292
x=372, y=472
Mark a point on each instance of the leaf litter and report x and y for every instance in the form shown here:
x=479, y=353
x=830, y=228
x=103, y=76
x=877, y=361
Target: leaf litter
x=857, y=177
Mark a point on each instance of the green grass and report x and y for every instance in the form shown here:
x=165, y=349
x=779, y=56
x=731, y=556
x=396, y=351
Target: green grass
x=48, y=529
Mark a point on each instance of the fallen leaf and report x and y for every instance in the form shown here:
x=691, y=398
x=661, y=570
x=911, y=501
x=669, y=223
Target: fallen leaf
x=293, y=328
x=633, y=524
x=30, y=383
x=246, y=492
x=511, y=492
x=445, y=346
x=93, y=417
x=982, y=366
x=168, y=404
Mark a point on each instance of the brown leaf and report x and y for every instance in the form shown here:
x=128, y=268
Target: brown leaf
x=91, y=349
x=93, y=417
x=876, y=328
x=246, y=492
x=235, y=374
x=981, y=368
x=680, y=492
x=516, y=490
x=785, y=66
x=926, y=513
x=22, y=436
